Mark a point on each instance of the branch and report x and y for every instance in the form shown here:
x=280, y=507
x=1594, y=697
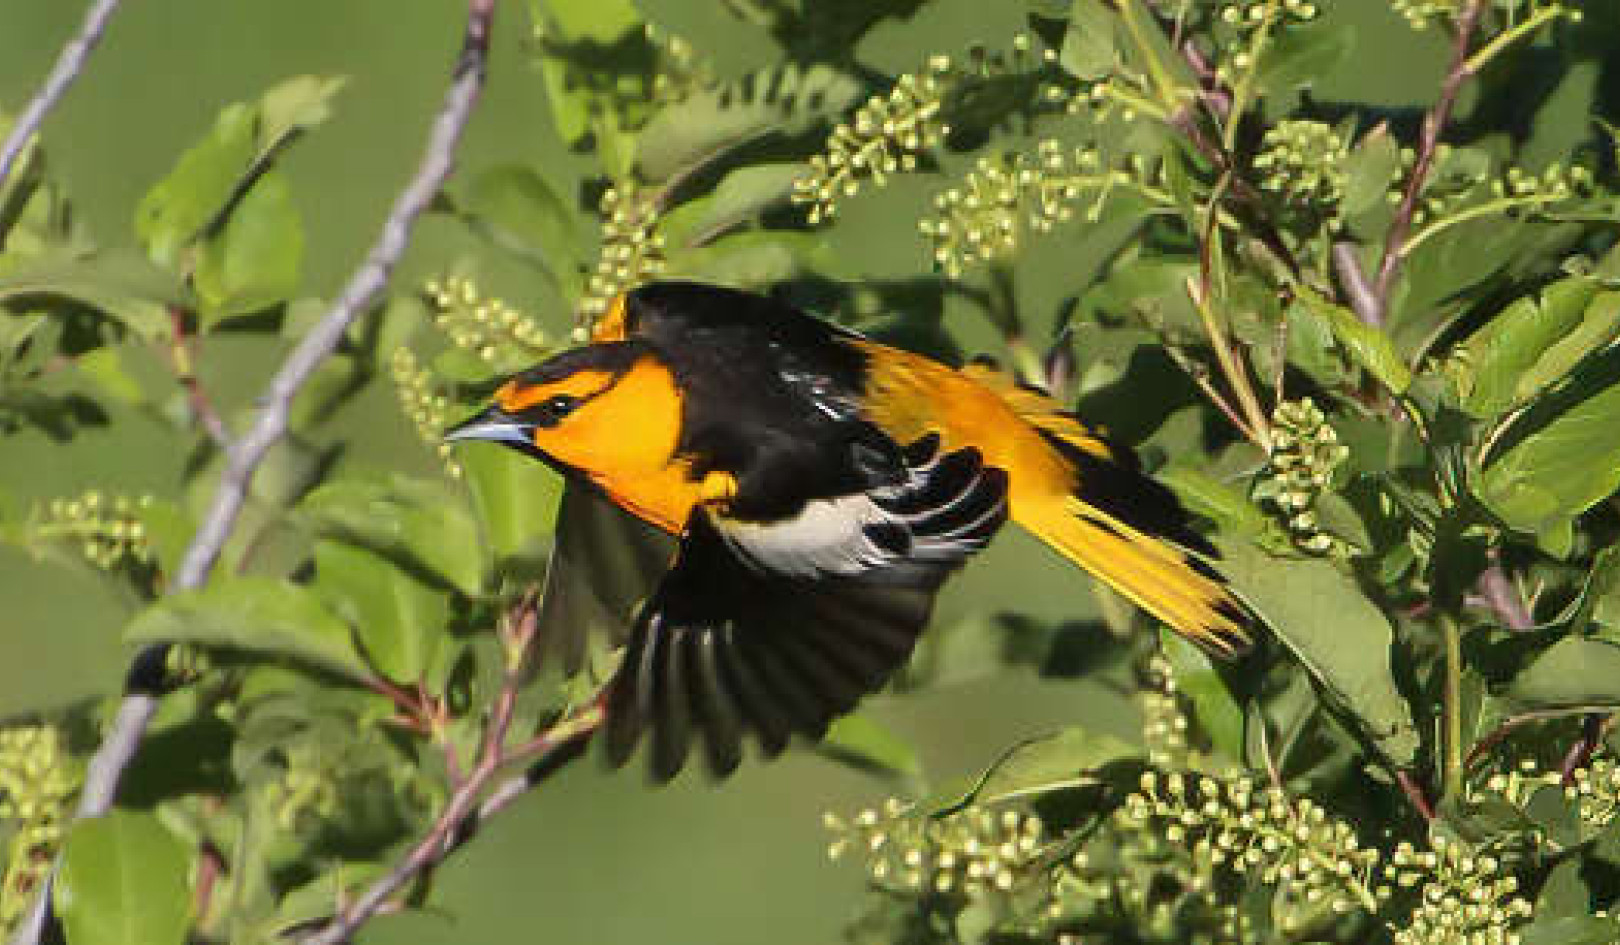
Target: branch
x=243, y=459
x=1434, y=121
x=182, y=359
x=1363, y=300
x=464, y=812
x=69, y=63
x=459, y=819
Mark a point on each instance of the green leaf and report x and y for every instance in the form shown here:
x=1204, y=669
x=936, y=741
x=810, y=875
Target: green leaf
x=254, y=262
x=1226, y=505
x=781, y=100
x=1301, y=57
x=1370, y=168
x=417, y=523
x=1366, y=344
x=755, y=260
x=295, y=106
x=175, y=210
x=1501, y=354
x=515, y=500
x=1573, y=674
x=1561, y=456
x=739, y=198
x=260, y=615
x=1570, y=930
x=522, y=209
x=1320, y=614
x=858, y=741
x=120, y=284
x=1602, y=588
x=399, y=621
x=1059, y=761
x=1599, y=326
x=104, y=368
x=600, y=21
x=168, y=531
x=125, y=880
x=1089, y=42
x=1216, y=709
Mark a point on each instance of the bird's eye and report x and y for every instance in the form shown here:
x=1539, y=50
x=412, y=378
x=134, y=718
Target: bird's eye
x=554, y=408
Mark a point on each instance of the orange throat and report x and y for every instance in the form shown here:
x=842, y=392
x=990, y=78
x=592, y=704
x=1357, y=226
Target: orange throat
x=664, y=497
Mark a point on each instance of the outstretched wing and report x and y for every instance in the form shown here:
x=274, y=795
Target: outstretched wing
x=777, y=629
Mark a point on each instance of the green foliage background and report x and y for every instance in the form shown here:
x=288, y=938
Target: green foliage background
x=598, y=857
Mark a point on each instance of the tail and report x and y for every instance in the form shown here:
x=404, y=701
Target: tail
x=1161, y=578
x=1125, y=528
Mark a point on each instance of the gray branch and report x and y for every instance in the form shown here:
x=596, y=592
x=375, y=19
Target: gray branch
x=243, y=459
x=69, y=63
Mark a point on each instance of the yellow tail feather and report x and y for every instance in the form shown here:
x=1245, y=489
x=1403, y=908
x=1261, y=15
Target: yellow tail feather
x=1157, y=576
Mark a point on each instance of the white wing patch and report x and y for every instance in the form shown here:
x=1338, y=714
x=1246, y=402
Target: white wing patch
x=946, y=510
x=828, y=537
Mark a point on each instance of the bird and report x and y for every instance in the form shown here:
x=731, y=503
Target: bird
x=820, y=488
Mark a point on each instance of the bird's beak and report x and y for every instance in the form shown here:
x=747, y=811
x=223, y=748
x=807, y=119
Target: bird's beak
x=492, y=424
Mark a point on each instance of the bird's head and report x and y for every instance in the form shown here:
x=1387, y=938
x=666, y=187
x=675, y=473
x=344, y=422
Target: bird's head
x=605, y=409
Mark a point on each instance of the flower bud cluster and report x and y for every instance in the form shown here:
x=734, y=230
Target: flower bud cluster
x=975, y=853
x=889, y=133
x=304, y=794
x=1164, y=720
x=1305, y=454
x=988, y=215
x=1593, y=792
x=1148, y=888
x=631, y=252
x=1596, y=792
x=37, y=779
x=884, y=137
x=1313, y=859
x=1421, y=14
x=681, y=71
x=1462, y=895
x=1303, y=161
x=1252, y=14
x=422, y=401
x=502, y=336
x=107, y=530
x=1248, y=23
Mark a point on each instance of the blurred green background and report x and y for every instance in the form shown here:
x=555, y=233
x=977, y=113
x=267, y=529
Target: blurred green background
x=594, y=857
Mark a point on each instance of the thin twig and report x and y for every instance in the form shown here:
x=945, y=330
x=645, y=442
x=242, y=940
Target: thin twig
x=1434, y=122
x=69, y=63
x=243, y=459
x=182, y=357
x=1504, y=600
x=1358, y=291
x=464, y=812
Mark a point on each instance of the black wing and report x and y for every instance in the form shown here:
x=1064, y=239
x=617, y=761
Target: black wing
x=778, y=629
x=604, y=564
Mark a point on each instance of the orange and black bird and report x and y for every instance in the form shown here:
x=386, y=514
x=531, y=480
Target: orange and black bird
x=822, y=486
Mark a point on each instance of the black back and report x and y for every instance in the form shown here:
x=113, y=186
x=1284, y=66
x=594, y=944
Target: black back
x=772, y=395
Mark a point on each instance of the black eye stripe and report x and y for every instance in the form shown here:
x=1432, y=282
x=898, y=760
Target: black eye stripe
x=551, y=411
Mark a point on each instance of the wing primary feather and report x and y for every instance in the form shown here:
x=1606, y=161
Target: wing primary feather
x=672, y=719
x=784, y=681
x=838, y=632
x=833, y=685
x=763, y=713
x=716, y=713
x=630, y=703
